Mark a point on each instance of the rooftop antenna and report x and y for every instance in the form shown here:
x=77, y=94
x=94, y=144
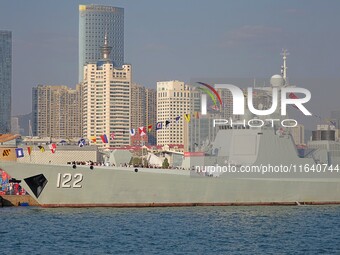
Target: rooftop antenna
x=284, y=53
x=105, y=49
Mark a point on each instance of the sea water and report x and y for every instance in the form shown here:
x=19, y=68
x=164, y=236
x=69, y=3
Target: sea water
x=185, y=230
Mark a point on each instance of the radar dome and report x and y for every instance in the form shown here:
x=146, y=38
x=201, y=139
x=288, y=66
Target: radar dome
x=277, y=81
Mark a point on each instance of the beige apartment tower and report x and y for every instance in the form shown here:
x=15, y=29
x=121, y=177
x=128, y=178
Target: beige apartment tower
x=174, y=99
x=106, y=101
x=151, y=113
x=143, y=110
x=57, y=112
x=138, y=106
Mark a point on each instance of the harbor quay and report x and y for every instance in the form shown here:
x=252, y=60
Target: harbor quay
x=17, y=200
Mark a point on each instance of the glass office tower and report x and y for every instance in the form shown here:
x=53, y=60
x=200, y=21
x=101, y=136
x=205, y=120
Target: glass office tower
x=5, y=80
x=94, y=22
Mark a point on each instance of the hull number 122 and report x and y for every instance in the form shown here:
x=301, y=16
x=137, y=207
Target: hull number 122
x=68, y=180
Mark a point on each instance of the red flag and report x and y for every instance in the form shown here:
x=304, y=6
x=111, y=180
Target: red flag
x=104, y=138
x=53, y=147
x=293, y=96
x=112, y=135
x=149, y=128
x=29, y=149
x=142, y=131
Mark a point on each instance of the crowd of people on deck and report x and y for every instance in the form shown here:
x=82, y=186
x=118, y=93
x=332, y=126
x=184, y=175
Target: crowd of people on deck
x=92, y=163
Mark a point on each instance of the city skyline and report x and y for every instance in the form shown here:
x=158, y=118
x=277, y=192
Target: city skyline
x=218, y=39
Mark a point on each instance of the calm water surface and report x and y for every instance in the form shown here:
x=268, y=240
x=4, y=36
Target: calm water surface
x=195, y=230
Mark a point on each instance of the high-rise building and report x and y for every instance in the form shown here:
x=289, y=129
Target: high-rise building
x=151, y=114
x=143, y=112
x=174, y=100
x=225, y=111
x=106, y=100
x=5, y=80
x=94, y=22
x=138, y=106
x=15, y=128
x=298, y=134
x=25, y=124
x=56, y=112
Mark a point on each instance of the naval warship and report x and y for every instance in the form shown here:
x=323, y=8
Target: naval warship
x=261, y=166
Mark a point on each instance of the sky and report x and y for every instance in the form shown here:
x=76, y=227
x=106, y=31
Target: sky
x=184, y=40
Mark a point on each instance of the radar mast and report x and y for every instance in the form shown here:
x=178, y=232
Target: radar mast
x=284, y=55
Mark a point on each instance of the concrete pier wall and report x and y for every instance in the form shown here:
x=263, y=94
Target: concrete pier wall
x=14, y=200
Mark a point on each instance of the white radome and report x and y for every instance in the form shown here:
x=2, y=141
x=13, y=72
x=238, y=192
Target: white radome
x=277, y=81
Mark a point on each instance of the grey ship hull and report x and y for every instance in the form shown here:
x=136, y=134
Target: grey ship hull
x=123, y=187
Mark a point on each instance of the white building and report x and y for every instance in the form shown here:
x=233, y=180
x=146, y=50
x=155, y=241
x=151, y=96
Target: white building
x=106, y=100
x=174, y=99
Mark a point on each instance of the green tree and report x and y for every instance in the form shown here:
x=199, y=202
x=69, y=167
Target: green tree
x=136, y=161
x=165, y=163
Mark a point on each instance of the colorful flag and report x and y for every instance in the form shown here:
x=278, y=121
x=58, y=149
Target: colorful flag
x=159, y=125
x=104, y=138
x=53, y=147
x=187, y=117
x=132, y=132
x=19, y=152
x=81, y=142
x=167, y=122
x=293, y=96
x=177, y=118
x=41, y=148
x=29, y=150
x=333, y=123
x=149, y=128
x=112, y=135
x=142, y=131
x=93, y=139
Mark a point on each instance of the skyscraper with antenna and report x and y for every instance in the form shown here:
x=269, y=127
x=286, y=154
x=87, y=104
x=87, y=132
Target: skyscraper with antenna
x=96, y=21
